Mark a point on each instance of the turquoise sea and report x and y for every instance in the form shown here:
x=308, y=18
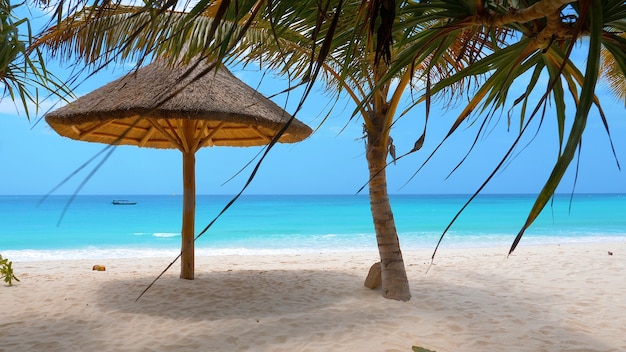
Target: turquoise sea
x=92, y=227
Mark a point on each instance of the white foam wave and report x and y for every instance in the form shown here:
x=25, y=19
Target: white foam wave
x=294, y=248
x=29, y=255
x=165, y=234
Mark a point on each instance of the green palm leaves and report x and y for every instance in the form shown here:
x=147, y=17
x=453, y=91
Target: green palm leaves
x=13, y=73
x=542, y=38
x=22, y=69
x=6, y=271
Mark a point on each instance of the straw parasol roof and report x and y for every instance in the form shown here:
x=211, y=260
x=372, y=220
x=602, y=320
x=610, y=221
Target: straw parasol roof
x=141, y=109
x=183, y=107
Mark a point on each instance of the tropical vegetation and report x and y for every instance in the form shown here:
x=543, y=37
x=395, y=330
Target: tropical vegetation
x=6, y=271
x=373, y=50
x=22, y=69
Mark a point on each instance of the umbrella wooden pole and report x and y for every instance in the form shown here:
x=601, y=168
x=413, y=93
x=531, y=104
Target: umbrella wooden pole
x=189, y=211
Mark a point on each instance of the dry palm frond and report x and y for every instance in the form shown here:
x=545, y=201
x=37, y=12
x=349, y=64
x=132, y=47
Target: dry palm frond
x=614, y=74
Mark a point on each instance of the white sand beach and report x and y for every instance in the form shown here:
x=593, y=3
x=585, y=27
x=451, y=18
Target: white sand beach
x=550, y=298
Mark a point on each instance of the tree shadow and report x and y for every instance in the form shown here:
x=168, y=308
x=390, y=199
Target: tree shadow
x=240, y=293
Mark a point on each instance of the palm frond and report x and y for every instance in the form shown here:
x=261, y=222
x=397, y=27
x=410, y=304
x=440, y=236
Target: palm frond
x=614, y=64
x=22, y=69
x=587, y=98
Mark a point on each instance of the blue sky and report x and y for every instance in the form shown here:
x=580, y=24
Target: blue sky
x=35, y=159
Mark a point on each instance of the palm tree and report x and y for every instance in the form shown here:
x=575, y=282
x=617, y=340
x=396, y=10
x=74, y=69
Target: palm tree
x=359, y=70
x=442, y=43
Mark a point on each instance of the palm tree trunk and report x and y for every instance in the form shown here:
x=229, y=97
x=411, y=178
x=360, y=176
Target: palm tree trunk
x=395, y=284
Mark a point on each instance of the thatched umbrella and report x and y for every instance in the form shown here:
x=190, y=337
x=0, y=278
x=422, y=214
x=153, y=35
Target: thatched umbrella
x=164, y=106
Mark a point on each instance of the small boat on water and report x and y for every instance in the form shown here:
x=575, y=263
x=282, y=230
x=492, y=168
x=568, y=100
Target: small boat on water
x=122, y=202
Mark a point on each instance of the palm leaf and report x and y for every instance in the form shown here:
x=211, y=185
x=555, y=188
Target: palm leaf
x=614, y=64
x=582, y=110
x=22, y=69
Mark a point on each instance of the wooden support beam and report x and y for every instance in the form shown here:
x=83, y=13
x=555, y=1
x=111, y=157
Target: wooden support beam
x=91, y=130
x=147, y=136
x=189, y=202
x=172, y=138
x=209, y=134
x=173, y=133
x=260, y=134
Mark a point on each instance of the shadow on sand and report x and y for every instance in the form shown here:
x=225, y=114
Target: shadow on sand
x=241, y=294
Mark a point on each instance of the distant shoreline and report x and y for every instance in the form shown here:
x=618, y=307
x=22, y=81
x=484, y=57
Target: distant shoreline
x=30, y=255
x=316, y=194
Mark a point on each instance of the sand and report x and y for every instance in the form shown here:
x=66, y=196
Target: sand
x=550, y=298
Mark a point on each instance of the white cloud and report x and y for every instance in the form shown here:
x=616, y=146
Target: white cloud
x=16, y=108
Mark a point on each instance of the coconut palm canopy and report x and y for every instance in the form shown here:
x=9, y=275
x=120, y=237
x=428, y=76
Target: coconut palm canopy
x=147, y=108
x=185, y=107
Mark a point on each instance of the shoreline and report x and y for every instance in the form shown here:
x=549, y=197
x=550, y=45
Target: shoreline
x=138, y=252
x=541, y=298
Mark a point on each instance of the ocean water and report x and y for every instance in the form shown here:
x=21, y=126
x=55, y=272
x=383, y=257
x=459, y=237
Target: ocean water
x=91, y=227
